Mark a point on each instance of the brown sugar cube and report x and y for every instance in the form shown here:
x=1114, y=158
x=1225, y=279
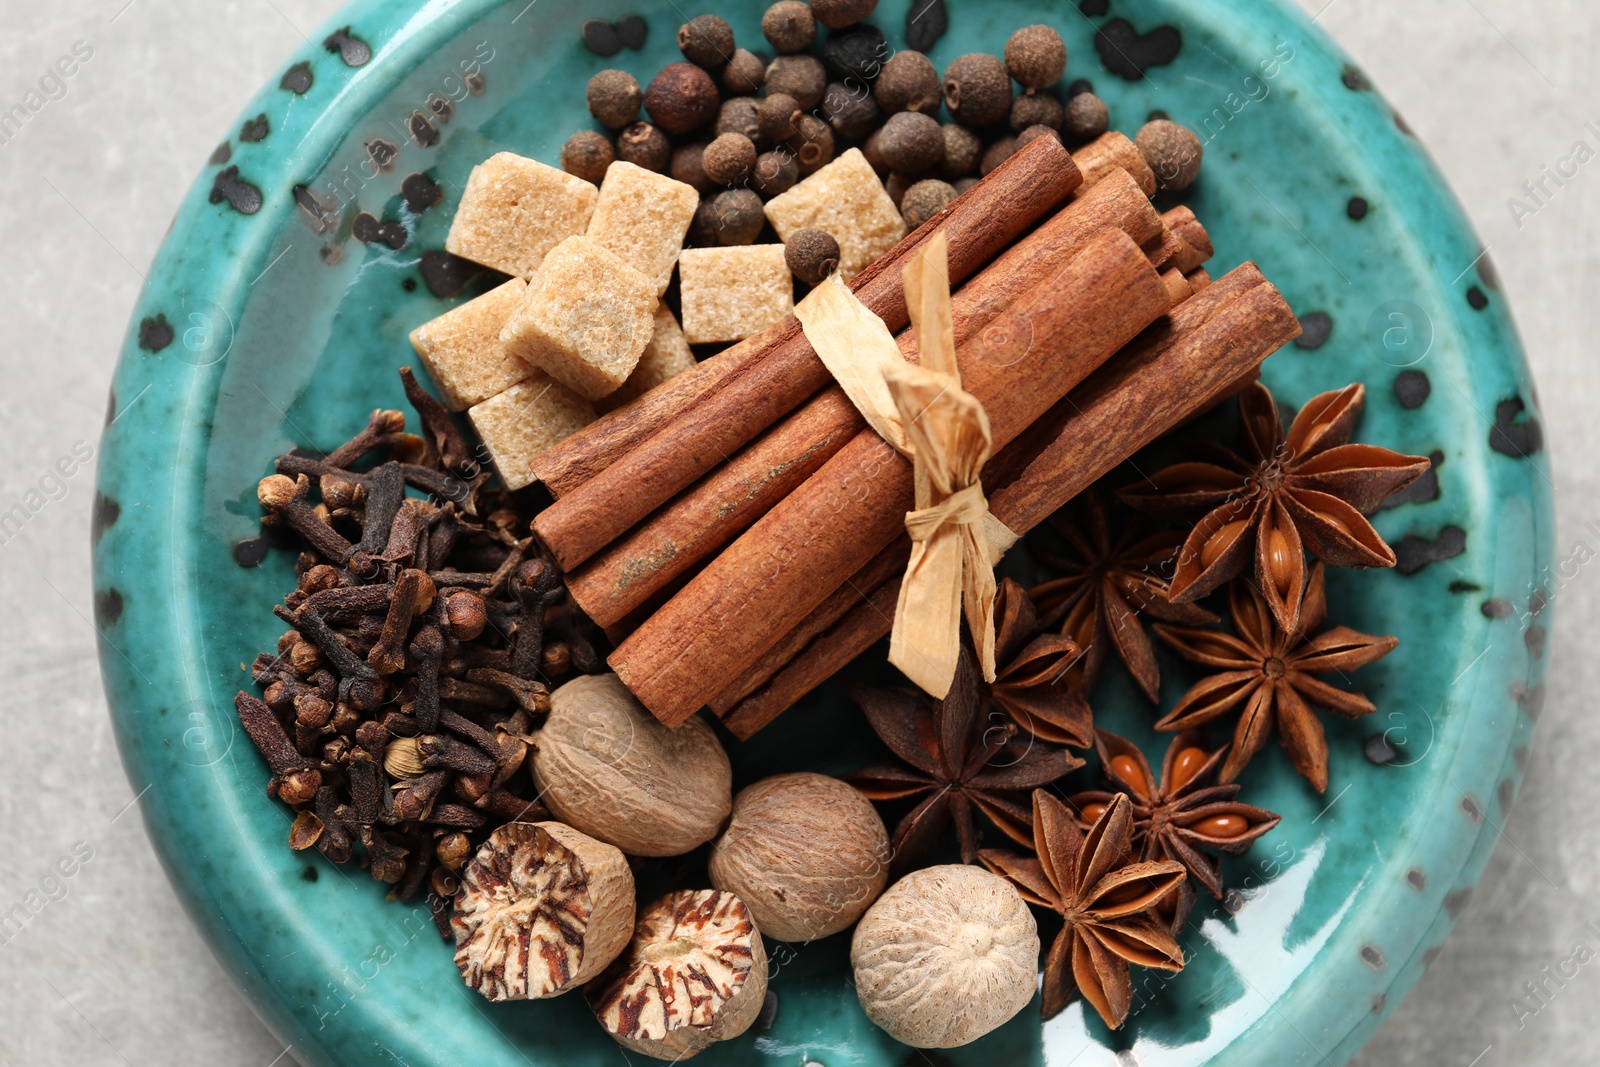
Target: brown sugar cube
x=667, y=354
x=643, y=216
x=525, y=420
x=462, y=351
x=585, y=318
x=847, y=200
x=514, y=210
x=731, y=293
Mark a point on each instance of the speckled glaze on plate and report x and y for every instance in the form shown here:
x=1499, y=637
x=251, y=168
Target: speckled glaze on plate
x=275, y=316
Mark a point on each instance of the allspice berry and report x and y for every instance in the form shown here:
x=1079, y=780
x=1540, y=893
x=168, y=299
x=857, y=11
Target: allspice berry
x=739, y=115
x=744, y=73
x=1087, y=117
x=812, y=255
x=681, y=98
x=1036, y=56
x=587, y=154
x=789, y=26
x=872, y=152
x=962, y=150
x=947, y=955
x=996, y=154
x=614, y=98
x=837, y=14
x=610, y=769
x=775, y=173
x=1032, y=133
x=977, y=90
x=644, y=146
x=1036, y=109
x=805, y=852
x=1172, y=151
x=737, y=219
x=687, y=167
x=911, y=142
x=850, y=110
x=706, y=41
x=729, y=159
x=924, y=200
x=857, y=53
x=801, y=77
x=909, y=82
x=812, y=143
x=776, y=116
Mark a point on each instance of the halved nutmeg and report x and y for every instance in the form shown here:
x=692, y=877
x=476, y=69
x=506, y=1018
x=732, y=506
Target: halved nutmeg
x=694, y=974
x=542, y=908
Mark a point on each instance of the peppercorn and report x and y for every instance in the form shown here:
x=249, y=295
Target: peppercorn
x=1033, y=133
x=775, y=172
x=1087, y=117
x=1036, y=109
x=812, y=255
x=744, y=73
x=1172, y=152
x=924, y=200
x=644, y=146
x=1036, y=56
x=812, y=143
x=837, y=14
x=739, y=115
x=728, y=159
x=776, y=115
x=614, y=98
x=687, y=168
x=858, y=52
x=737, y=217
x=681, y=98
x=586, y=155
x=706, y=41
x=997, y=153
x=962, y=150
x=850, y=111
x=789, y=26
x=909, y=82
x=872, y=152
x=801, y=77
x=912, y=142
x=977, y=89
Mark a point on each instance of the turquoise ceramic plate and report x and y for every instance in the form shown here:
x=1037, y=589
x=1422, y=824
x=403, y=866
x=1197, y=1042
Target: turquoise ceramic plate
x=266, y=325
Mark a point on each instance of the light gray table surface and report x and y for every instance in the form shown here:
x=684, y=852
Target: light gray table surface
x=110, y=971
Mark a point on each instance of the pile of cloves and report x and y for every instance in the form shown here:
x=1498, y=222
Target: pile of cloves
x=424, y=637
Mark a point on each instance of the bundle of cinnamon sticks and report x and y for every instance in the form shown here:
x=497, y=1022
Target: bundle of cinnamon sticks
x=740, y=531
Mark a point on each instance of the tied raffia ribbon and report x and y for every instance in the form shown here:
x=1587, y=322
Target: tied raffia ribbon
x=921, y=410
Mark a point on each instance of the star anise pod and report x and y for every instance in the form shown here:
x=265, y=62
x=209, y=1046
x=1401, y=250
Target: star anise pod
x=1106, y=903
x=1280, y=496
x=1268, y=675
x=956, y=761
x=1108, y=580
x=1180, y=816
x=1033, y=682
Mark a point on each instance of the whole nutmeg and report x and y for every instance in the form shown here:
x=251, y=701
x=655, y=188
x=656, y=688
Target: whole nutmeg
x=776, y=116
x=800, y=76
x=811, y=254
x=586, y=155
x=739, y=115
x=744, y=73
x=1087, y=117
x=608, y=768
x=909, y=82
x=1172, y=151
x=812, y=143
x=1033, y=133
x=688, y=168
x=694, y=974
x=850, y=110
x=542, y=909
x=924, y=200
x=837, y=14
x=775, y=172
x=805, y=852
x=706, y=41
x=644, y=146
x=911, y=142
x=977, y=90
x=1036, y=109
x=614, y=98
x=1036, y=56
x=997, y=153
x=729, y=159
x=681, y=98
x=789, y=26
x=962, y=150
x=945, y=956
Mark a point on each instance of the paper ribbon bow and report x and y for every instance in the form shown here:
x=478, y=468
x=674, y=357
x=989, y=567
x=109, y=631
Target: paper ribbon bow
x=922, y=411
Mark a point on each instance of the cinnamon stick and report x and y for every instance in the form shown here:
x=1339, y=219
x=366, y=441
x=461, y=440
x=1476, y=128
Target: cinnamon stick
x=627, y=573
x=1109, y=152
x=1176, y=368
x=769, y=579
x=770, y=374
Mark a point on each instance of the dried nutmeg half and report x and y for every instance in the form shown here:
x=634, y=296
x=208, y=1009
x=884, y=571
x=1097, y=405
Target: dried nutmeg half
x=945, y=956
x=606, y=766
x=807, y=853
x=694, y=974
x=542, y=909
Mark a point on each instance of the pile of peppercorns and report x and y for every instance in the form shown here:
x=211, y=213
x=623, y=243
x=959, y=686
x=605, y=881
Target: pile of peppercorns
x=742, y=130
